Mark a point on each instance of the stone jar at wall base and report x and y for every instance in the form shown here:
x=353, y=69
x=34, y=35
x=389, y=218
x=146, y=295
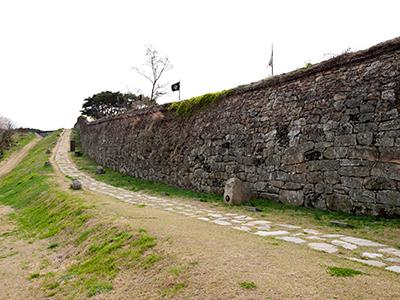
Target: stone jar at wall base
x=236, y=192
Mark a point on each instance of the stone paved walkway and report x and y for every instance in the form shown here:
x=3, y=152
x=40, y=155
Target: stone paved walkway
x=372, y=253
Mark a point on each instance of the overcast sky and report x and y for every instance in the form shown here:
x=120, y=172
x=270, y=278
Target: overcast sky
x=53, y=54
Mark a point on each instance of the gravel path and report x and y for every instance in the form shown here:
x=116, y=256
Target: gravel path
x=368, y=252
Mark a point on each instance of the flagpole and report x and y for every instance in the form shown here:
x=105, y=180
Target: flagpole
x=272, y=64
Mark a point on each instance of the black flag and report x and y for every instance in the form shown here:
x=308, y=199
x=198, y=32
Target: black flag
x=176, y=86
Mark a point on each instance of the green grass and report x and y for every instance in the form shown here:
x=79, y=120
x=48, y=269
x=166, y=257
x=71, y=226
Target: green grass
x=343, y=272
x=173, y=290
x=20, y=140
x=43, y=211
x=248, y=285
x=52, y=246
x=34, y=275
x=150, y=260
x=187, y=107
x=175, y=271
x=97, y=287
x=12, y=253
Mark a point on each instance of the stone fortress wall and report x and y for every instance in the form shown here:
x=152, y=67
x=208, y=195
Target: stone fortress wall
x=327, y=136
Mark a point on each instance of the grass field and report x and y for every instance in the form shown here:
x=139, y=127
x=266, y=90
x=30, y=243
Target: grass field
x=98, y=249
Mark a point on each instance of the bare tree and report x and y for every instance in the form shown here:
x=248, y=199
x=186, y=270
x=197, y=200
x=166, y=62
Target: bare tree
x=156, y=66
x=6, y=133
x=6, y=124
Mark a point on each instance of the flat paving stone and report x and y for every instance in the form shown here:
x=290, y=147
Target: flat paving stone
x=369, y=262
x=392, y=251
x=314, y=237
x=311, y=231
x=271, y=233
x=361, y=242
x=237, y=221
x=298, y=234
x=240, y=217
x=189, y=214
x=291, y=239
x=393, y=269
x=242, y=228
x=371, y=255
x=393, y=260
x=289, y=226
x=332, y=236
x=216, y=215
x=260, y=222
x=222, y=222
x=264, y=227
x=324, y=247
x=344, y=245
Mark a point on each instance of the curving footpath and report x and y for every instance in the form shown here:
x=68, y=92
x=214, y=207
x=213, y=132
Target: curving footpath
x=10, y=163
x=373, y=253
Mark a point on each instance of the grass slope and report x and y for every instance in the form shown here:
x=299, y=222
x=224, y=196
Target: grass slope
x=188, y=106
x=20, y=140
x=99, y=249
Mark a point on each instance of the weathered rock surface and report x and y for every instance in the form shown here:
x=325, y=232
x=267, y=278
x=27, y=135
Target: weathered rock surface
x=76, y=185
x=100, y=170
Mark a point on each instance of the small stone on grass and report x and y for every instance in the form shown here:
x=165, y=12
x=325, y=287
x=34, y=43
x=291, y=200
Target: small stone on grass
x=341, y=224
x=76, y=185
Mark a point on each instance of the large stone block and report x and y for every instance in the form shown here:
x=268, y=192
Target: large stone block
x=390, y=125
x=292, y=197
x=354, y=171
x=388, y=170
x=391, y=198
x=346, y=140
x=339, y=202
x=336, y=152
x=364, y=153
x=236, y=192
x=379, y=183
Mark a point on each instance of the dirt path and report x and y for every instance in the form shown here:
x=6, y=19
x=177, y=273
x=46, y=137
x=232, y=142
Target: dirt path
x=216, y=254
x=18, y=259
x=10, y=163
